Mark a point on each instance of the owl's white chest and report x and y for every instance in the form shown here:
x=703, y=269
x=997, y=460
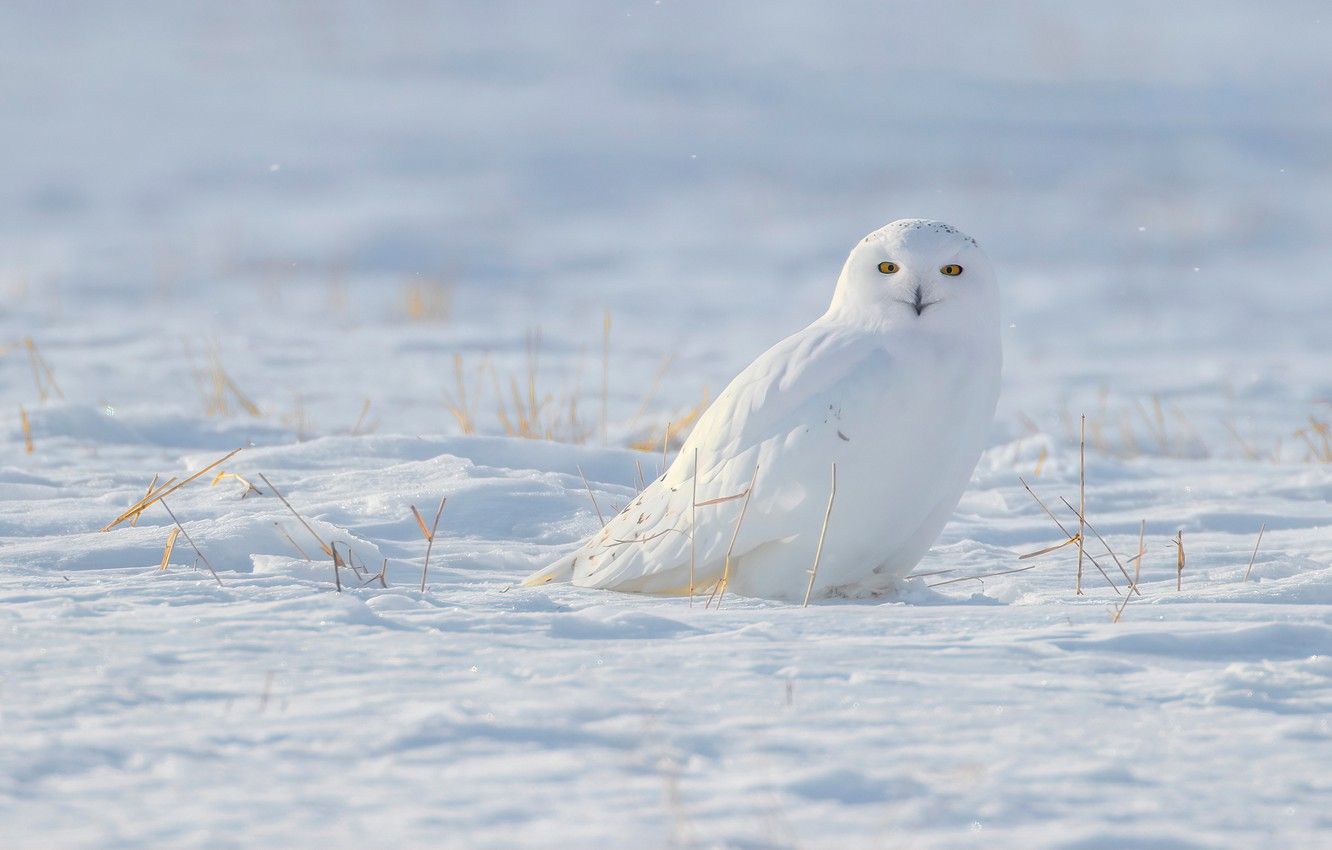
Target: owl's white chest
x=905, y=429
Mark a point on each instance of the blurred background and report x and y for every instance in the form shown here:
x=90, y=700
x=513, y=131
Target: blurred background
x=342, y=204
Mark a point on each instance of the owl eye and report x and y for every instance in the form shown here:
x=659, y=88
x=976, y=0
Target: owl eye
x=889, y=268
x=952, y=270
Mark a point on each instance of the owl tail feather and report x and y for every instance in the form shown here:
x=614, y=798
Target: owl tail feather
x=561, y=570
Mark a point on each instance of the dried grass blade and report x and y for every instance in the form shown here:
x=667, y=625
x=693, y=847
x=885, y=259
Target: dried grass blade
x=818, y=551
x=322, y=545
x=430, y=541
x=1254, y=556
x=190, y=541
x=693, y=526
x=170, y=544
x=1051, y=515
x=1137, y=570
x=146, y=494
x=42, y=375
x=293, y=543
x=1048, y=512
x=27, y=430
x=147, y=501
x=663, y=533
x=652, y=390
x=1110, y=551
x=665, y=446
x=1082, y=499
x=726, y=568
x=365, y=408
x=1179, y=562
x=590, y=495
x=241, y=398
x=719, y=500
x=931, y=573
x=982, y=576
x=337, y=573
x=1048, y=549
x=420, y=521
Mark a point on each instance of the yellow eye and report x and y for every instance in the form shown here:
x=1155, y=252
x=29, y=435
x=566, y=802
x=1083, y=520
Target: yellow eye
x=952, y=270
x=888, y=268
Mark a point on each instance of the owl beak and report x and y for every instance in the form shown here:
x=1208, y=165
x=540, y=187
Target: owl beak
x=918, y=302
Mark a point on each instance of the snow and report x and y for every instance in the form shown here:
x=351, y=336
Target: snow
x=1155, y=199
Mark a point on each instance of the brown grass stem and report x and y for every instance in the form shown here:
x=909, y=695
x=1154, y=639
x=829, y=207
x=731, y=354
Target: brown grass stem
x=982, y=576
x=720, y=590
x=818, y=550
x=1109, y=551
x=170, y=544
x=1179, y=560
x=1082, y=499
x=1067, y=533
x=361, y=422
x=720, y=499
x=146, y=494
x=931, y=573
x=590, y=495
x=166, y=490
x=27, y=430
x=652, y=390
x=42, y=375
x=190, y=541
x=693, y=529
x=665, y=446
x=1137, y=570
x=249, y=487
x=293, y=543
x=430, y=537
x=327, y=550
x=1254, y=556
x=1048, y=549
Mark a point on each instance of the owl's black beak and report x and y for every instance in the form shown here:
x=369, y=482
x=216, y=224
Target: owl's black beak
x=918, y=303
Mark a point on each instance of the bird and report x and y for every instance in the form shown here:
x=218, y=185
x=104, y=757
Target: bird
x=829, y=466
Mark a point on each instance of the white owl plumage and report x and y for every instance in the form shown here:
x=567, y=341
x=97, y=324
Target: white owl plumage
x=896, y=384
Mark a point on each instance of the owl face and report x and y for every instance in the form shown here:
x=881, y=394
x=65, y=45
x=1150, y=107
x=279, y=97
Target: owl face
x=918, y=273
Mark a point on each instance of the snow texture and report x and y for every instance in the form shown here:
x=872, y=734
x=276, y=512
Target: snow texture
x=333, y=200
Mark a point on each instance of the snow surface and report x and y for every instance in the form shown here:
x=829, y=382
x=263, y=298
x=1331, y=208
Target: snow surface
x=270, y=183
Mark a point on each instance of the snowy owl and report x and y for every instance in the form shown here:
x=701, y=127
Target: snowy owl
x=895, y=386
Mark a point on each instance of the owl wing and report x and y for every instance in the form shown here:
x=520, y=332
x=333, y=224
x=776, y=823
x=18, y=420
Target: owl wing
x=757, y=424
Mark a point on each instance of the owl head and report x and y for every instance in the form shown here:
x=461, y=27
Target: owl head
x=920, y=274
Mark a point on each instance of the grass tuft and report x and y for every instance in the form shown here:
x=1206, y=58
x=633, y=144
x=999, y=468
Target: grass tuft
x=428, y=300
x=218, y=391
x=42, y=375
x=429, y=536
x=675, y=432
x=27, y=430
x=166, y=489
x=363, y=426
